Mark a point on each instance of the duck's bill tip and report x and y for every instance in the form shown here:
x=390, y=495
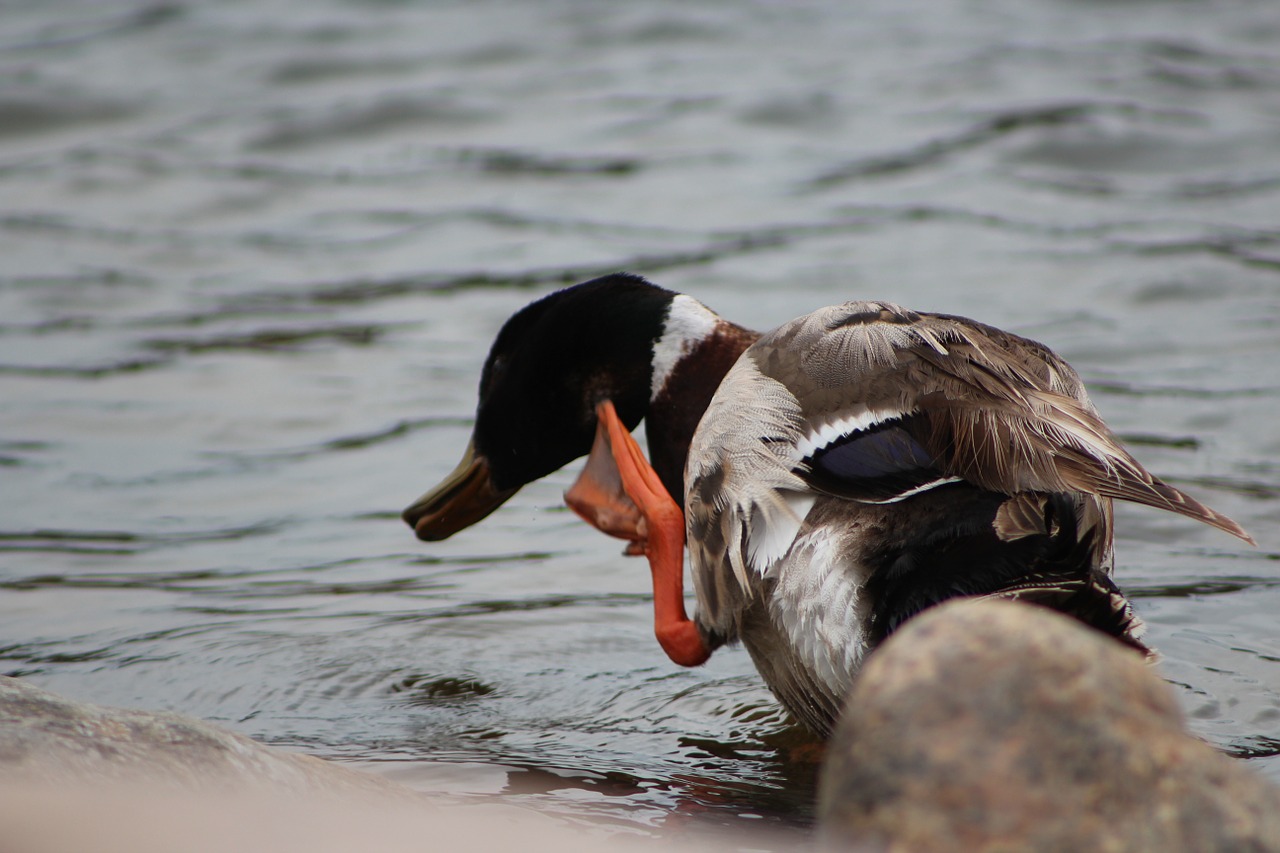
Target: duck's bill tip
x=463, y=498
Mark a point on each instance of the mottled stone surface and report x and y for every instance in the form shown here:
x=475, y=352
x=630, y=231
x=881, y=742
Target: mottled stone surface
x=986, y=725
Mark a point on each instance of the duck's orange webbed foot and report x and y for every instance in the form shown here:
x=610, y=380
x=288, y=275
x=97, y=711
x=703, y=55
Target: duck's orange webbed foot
x=663, y=543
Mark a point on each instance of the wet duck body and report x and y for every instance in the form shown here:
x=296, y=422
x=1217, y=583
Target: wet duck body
x=832, y=477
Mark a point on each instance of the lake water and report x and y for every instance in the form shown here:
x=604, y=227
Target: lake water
x=252, y=255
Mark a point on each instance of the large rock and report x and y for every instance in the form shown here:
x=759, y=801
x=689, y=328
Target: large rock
x=991, y=725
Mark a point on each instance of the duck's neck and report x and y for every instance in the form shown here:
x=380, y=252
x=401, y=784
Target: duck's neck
x=693, y=353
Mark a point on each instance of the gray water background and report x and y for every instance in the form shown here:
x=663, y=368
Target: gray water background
x=252, y=255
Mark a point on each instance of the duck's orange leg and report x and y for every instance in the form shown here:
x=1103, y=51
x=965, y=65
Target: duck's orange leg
x=664, y=544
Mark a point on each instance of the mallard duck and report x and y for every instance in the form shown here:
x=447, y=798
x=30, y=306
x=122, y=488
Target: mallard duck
x=833, y=477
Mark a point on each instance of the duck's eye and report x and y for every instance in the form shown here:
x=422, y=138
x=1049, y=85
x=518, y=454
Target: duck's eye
x=493, y=373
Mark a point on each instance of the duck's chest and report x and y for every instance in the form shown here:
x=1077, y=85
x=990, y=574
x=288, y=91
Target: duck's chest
x=818, y=601
x=806, y=625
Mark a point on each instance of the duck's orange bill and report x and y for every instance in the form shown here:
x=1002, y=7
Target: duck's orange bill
x=660, y=535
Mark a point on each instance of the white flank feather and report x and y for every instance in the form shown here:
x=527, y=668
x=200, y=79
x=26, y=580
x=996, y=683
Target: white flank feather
x=774, y=527
x=818, y=604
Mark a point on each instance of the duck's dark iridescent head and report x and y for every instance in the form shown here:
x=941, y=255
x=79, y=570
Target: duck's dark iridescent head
x=549, y=367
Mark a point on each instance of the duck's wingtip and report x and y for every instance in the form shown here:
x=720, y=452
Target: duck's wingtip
x=1163, y=496
x=1240, y=533
x=1225, y=524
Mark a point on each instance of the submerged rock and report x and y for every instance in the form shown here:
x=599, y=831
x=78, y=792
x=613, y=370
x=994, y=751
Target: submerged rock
x=45, y=738
x=990, y=725
x=82, y=777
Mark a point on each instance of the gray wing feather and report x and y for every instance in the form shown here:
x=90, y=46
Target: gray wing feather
x=1004, y=412
x=1000, y=411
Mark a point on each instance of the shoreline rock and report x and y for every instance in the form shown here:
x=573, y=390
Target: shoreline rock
x=81, y=777
x=48, y=739
x=993, y=725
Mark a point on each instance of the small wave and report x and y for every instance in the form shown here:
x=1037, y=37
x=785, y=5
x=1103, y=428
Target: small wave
x=39, y=112
x=434, y=689
x=1256, y=746
x=986, y=130
x=357, y=441
x=360, y=120
x=122, y=541
x=1223, y=187
x=322, y=68
x=68, y=33
x=1134, y=389
x=1200, y=588
x=272, y=339
x=368, y=290
x=513, y=605
x=83, y=371
x=1175, y=442
x=1258, y=489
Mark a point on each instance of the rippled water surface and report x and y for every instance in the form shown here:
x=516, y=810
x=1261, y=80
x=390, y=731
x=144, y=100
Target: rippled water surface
x=252, y=255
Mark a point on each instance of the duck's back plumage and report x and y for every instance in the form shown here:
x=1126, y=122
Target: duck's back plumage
x=866, y=461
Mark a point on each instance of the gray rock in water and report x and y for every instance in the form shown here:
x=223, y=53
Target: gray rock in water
x=81, y=777
x=991, y=725
x=45, y=738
